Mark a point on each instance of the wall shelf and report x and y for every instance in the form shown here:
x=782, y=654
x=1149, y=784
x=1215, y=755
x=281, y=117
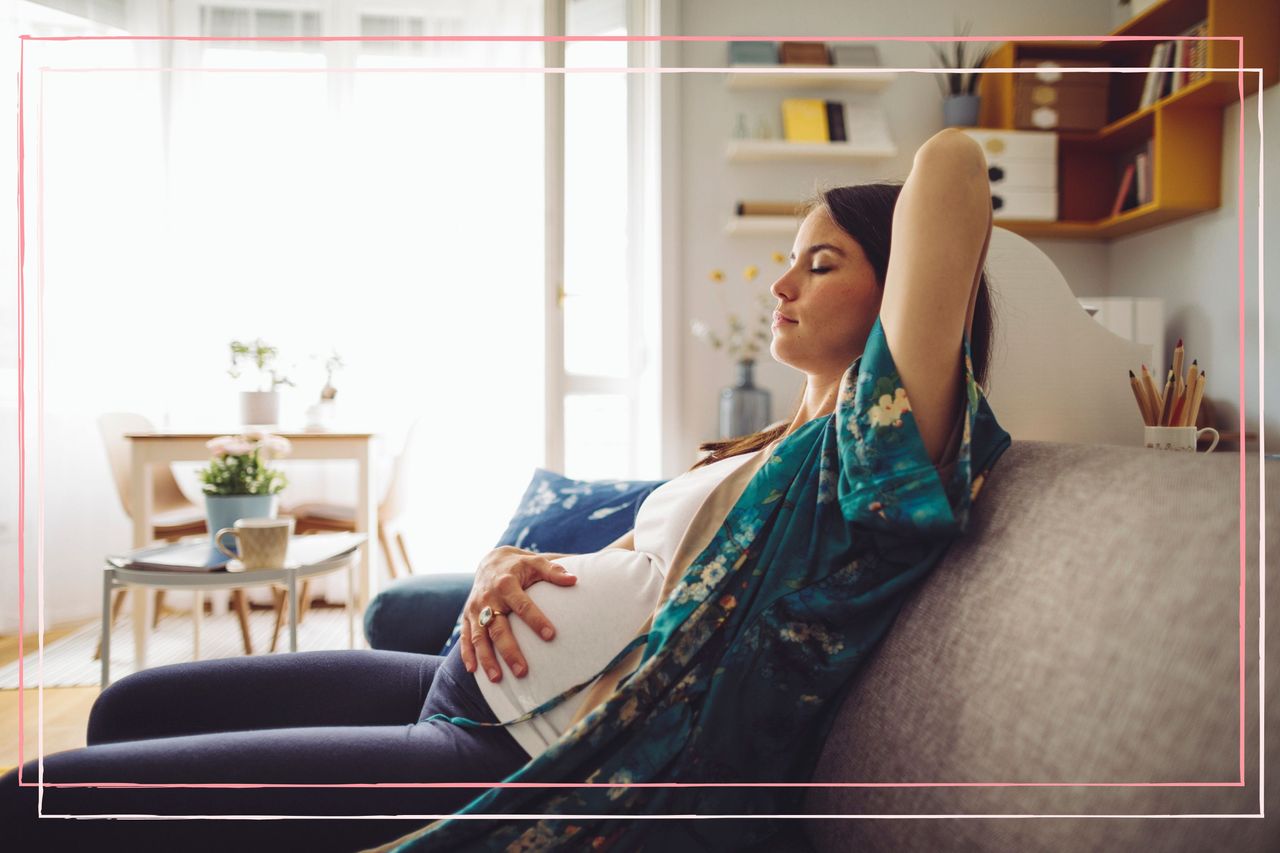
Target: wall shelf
x=755, y=150
x=738, y=79
x=744, y=226
x=1129, y=221
x=1185, y=126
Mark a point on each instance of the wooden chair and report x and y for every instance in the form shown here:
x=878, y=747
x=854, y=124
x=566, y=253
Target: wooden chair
x=318, y=517
x=174, y=515
x=327, y=517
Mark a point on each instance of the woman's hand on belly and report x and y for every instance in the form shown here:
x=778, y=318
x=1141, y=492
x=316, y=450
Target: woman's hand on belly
x=501, y=580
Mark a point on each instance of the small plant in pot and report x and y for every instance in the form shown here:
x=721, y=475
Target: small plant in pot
x=960, y=87
x=239, y=481
x=261, y=406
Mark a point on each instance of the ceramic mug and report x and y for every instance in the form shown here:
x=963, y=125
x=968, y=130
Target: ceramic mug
x=1177, y=438
x=262, y=543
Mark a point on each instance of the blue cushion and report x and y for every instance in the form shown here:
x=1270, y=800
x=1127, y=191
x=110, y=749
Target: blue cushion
x=565, y=516
x=416, y=614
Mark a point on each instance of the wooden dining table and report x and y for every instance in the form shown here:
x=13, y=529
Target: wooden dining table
x=147, y=449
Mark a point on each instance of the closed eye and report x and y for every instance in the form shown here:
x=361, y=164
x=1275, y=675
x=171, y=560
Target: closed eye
x=820, y=269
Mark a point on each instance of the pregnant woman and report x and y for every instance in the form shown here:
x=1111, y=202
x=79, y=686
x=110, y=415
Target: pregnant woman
x=709, y=644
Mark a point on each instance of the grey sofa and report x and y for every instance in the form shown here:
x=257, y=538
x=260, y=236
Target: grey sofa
x=1087, y=630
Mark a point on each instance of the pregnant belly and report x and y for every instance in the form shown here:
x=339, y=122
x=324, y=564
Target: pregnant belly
x=594, y=619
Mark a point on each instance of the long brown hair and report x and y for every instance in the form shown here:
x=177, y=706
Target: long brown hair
x=865, y=213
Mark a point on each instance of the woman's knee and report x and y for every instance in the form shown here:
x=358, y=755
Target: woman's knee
x=129, y=708
x=117, y=705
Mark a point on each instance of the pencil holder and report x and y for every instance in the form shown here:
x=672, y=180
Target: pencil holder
x=1177, y=438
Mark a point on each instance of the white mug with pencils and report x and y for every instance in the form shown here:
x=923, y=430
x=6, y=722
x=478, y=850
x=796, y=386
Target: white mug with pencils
x=1170, y=416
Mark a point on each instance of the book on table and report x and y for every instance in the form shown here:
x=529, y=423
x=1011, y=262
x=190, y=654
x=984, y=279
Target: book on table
x=197, y=556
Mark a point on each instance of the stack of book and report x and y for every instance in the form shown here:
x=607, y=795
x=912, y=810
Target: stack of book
x=812, y=120
x=768, y=208
x=1135, y=184
x=817, y=120
x=1189, y=56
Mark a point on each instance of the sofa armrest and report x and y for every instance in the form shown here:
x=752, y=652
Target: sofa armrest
x=417, y=614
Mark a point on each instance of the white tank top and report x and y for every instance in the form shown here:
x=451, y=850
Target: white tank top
x=595, y=618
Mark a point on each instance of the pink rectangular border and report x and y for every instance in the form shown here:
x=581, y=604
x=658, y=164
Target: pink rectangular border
x=1240, y=270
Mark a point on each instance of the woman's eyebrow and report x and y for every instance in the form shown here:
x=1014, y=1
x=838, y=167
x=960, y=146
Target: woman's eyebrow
x=818, y=247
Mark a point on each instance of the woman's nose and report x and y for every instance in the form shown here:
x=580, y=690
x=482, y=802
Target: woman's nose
x=783, y=287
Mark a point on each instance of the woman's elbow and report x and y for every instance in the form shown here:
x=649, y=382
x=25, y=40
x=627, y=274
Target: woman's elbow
x=956, y=152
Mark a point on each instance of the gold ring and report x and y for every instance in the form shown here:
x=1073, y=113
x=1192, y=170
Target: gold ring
x=487, y=615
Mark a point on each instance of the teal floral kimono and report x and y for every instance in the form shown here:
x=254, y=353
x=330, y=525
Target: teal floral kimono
x=751, y=654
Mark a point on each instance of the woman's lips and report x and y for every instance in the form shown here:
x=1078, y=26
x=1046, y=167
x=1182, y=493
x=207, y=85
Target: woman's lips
x=782, y=320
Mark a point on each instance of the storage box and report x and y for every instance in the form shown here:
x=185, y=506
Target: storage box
x=1015, y=144
x=1057, y=99
x=803, y=53
x=753, y=53
x=1024, y=204
x=1004, y=173
x=1022, y=168
x=851, y=55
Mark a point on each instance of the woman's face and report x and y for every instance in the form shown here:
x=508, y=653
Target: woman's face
x=827, y=300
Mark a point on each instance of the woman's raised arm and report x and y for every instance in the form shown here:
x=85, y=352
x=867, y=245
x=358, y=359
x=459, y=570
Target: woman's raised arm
x=941, y=229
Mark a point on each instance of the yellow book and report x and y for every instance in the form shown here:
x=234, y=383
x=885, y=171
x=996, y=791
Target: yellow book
x=804, y=120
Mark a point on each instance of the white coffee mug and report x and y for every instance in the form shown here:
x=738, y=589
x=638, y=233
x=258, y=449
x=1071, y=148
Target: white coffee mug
x=262, y=543
x=1177, y=438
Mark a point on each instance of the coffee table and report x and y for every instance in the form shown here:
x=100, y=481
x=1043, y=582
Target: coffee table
x=114, y=576
x=149, y=449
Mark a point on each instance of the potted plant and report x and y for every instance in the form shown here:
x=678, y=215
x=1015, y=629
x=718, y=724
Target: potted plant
x=744, y=408
x=960, y=87
x=240, y=482
x=261, y=406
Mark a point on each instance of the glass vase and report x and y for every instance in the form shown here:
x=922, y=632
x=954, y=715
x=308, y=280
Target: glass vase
x=744, y=408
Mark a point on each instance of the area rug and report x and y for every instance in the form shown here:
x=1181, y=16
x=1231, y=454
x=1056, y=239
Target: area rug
x=68, y=662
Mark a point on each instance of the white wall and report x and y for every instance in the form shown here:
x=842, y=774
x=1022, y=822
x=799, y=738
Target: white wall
x=1193, y=265
x=913, y=105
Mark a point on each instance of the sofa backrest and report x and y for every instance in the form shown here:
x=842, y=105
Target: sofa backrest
x=1040, y=327
x=1085, y=630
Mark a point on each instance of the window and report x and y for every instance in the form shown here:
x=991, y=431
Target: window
x=327, y=195
x=603, y=379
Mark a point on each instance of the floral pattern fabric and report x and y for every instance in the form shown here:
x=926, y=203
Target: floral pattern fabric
x=750, y=655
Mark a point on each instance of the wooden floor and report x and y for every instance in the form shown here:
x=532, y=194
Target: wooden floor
x=66, y=709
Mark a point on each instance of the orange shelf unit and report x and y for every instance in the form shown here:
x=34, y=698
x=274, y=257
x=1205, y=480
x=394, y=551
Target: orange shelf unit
x=1185, y=127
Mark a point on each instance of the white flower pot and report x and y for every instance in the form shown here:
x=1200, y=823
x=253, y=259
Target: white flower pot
x=260, y=408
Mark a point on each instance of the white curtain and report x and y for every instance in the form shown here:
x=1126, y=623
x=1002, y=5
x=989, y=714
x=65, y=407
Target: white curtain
x=322, y=196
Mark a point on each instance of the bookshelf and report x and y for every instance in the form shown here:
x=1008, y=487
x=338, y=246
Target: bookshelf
x=1184, y=127
x=817, y=81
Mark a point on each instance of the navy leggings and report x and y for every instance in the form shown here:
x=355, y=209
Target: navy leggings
x=311, y=717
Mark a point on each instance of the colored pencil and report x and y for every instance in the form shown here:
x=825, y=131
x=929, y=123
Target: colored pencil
x=1142, y=400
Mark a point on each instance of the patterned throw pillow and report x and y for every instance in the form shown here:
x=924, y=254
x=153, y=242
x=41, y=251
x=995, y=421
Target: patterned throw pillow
x=565, y=516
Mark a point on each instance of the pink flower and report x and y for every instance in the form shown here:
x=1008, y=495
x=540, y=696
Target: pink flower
x=275, y=445
x=239, y=447
x=220, y=445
